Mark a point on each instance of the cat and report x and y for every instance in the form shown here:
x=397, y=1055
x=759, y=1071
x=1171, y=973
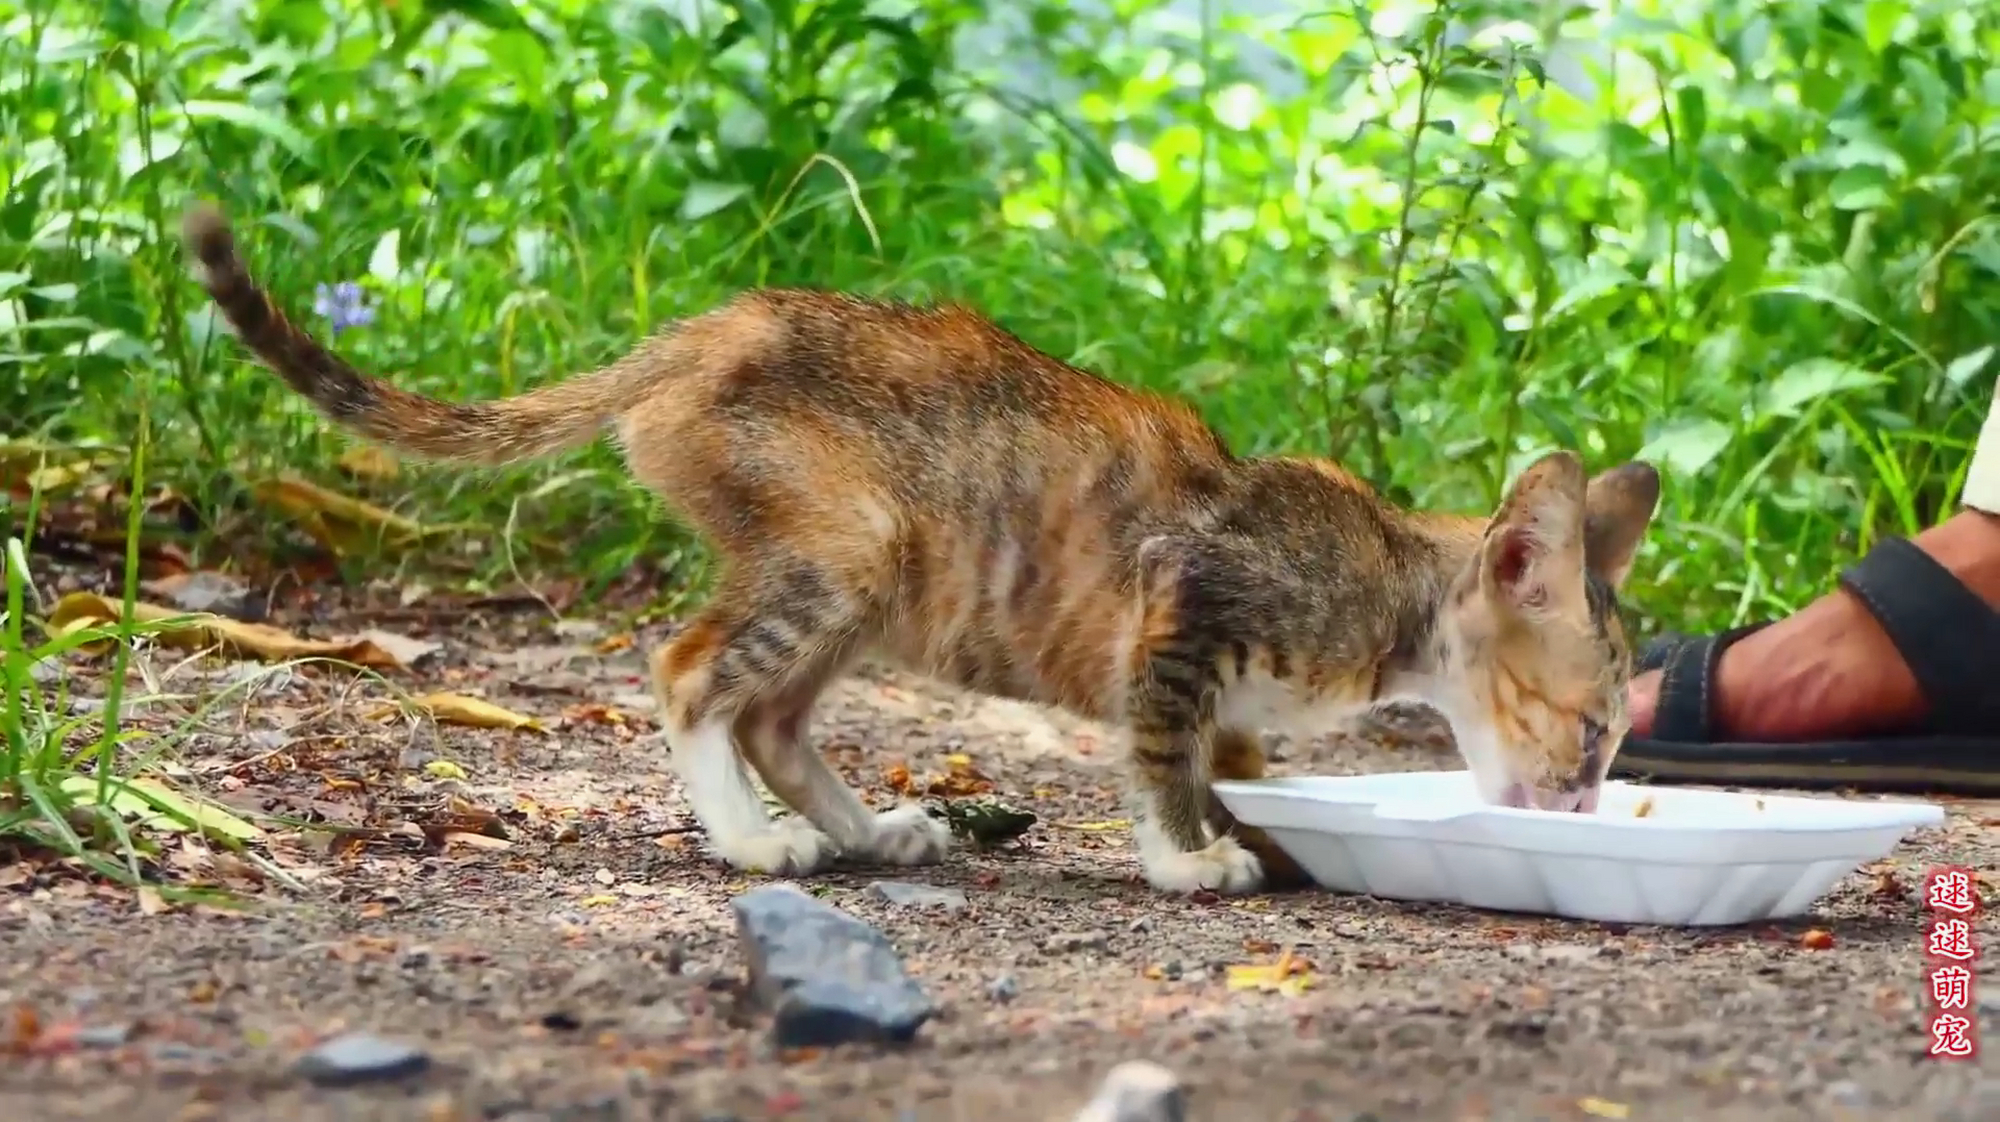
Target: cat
x=920, y=486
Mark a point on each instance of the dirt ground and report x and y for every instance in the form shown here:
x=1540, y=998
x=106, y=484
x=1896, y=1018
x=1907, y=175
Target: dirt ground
x=587, y=967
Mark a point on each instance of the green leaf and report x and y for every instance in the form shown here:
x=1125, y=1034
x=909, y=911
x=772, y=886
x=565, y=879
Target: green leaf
x=1861, y=187
x=705, y=198
x=250, y=117
x=208, y=817
x=153, y=805
x=1692, y=114
x=1599, y=281
x=985, y=822
x=1808, y=381
x=1687, y=446
x=1880, y=20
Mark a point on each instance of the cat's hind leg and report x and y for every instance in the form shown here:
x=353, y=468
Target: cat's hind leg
x=773, y=736
x=736, y=686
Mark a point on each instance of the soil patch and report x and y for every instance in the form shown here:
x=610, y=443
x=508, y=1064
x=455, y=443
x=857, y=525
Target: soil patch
x=531, y=911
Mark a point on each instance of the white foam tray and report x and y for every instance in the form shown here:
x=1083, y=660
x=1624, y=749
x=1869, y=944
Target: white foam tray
x=1697, y=858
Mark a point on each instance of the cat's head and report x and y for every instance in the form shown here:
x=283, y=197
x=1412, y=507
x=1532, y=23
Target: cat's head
x=1534, y=657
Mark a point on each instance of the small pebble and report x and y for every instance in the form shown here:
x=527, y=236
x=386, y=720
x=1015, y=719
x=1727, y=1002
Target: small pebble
x=1137, y=1091
x=360, y=1057
x=1004, y=988
x=1069, y=942
x=908, y=895
x=104, y=1036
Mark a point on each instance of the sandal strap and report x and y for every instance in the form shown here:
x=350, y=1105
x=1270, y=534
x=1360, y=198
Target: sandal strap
x=1685, y=711
x=1948, y=637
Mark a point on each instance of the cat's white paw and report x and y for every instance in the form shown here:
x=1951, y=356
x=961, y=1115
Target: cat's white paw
x=908, y=836
x=790, y=847
x=1222, y=866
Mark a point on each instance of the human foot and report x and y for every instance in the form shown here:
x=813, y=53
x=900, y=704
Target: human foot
x=1830, y=671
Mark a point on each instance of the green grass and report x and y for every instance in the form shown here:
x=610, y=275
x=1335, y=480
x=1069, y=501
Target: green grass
x=1768, y=263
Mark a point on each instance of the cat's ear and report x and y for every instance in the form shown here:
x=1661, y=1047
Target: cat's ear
x=1532, y=558
x=1618, y=506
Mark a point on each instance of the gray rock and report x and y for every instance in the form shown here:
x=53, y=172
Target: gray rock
x=1137, y=1091
x=905, y=894
x=359, y=1057
x=1003, y=989
x=827, y=977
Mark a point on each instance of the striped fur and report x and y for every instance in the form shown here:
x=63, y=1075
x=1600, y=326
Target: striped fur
x=919, y=485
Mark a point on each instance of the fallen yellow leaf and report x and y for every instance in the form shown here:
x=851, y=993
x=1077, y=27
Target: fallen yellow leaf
x=1096, y=827
x=370, y=461
x=27, y=465
x=458, y=709
x=195, y=630
x=600, y=901
x=142, y=800
x=474, y=841
x=1287, y=976
x=444, y=769
x=338, y=522
x=1603, y=1108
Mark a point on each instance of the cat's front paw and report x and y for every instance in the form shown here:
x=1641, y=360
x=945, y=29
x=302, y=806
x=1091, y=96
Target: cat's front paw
x=908, y=835
x=1222, y=866
x=791, y=847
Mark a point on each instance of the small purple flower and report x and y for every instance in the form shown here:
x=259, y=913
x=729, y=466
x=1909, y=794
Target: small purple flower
x=342, y=305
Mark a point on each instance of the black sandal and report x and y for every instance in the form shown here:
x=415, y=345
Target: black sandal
x=1947, y=636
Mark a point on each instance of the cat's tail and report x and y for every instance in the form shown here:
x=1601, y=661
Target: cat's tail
x=541, y=422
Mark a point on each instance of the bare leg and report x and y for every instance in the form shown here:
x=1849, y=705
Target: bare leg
x=1829, y=670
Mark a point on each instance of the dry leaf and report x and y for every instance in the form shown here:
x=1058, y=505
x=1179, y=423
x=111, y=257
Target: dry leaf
x=402, y=648
x=444, y=769
x=340, y=523
x=151, y=903
x=897, y=777
x=458, y=709
x=599, y=901
x=30, y=465
x=1097, y=827
x=80, y=610
x=962, y=780
x=369, y=461
x=474, y=841
x=1288, y=975
x=594, y=712
x=1603, y=1108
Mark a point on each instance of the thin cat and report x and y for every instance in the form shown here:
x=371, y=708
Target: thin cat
x=920, y=486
